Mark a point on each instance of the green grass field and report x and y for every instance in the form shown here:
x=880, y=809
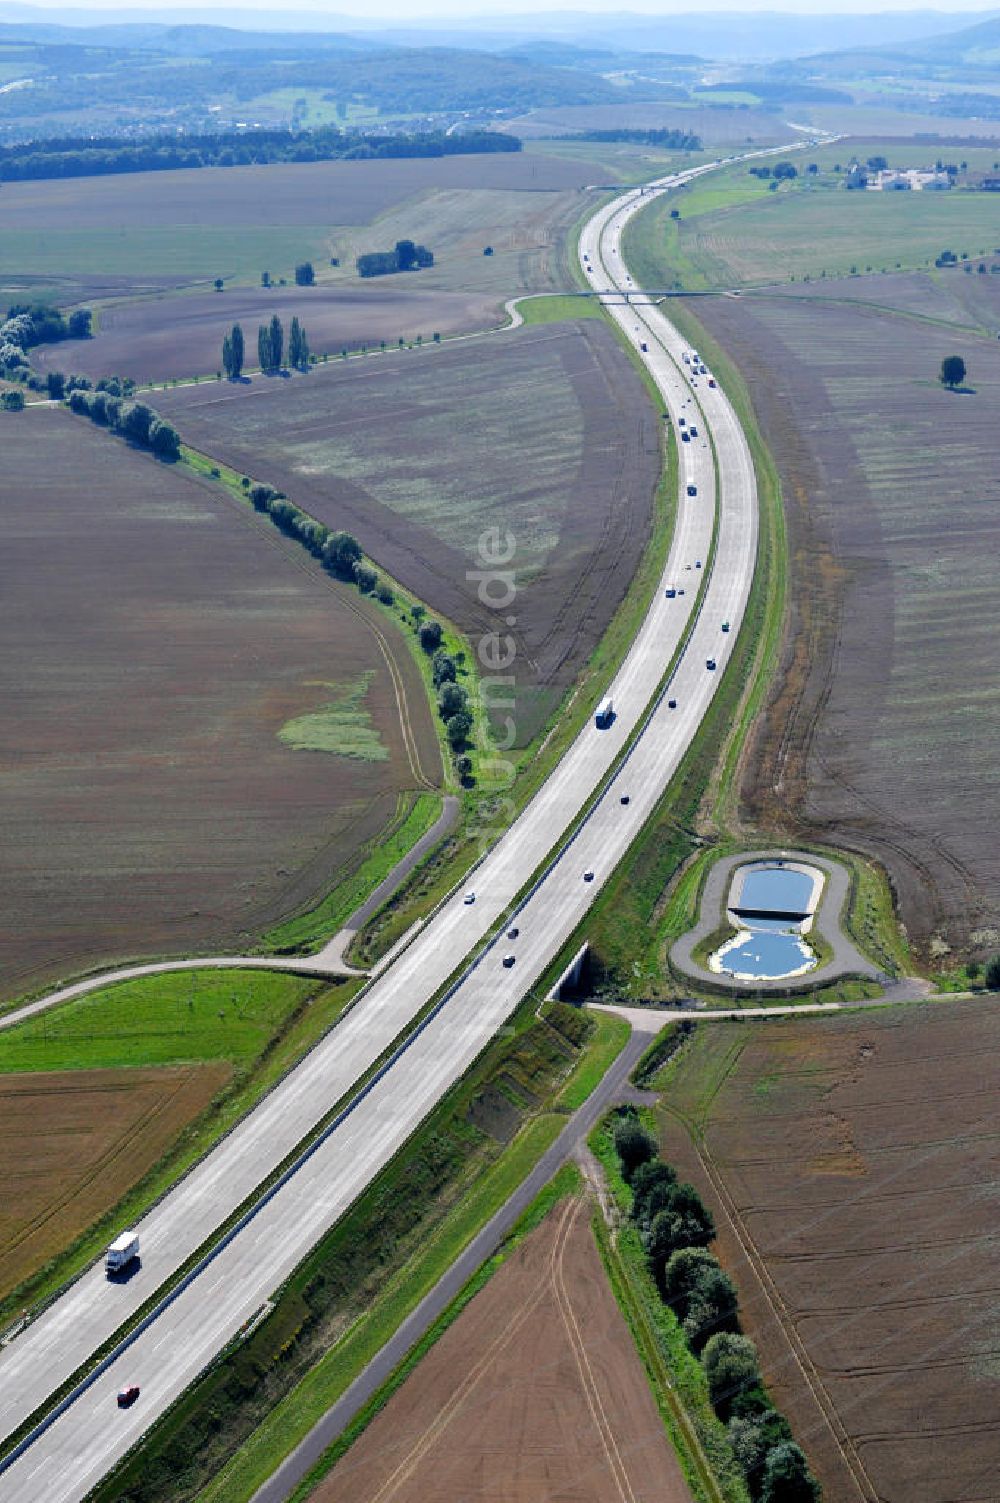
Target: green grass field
x=175, y=1018
x=343, y=727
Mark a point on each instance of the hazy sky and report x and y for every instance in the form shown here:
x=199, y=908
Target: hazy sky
x=417, y=10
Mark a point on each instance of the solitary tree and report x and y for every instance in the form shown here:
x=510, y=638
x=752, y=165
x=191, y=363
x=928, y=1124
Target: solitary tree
x=992, y=974
x=79, y=324
x=952, y=371
x=55, y=383
x=305, y=275
x=218, y=284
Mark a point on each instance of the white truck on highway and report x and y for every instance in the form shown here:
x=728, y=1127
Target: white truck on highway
x=123, y=1251
x=604, y=714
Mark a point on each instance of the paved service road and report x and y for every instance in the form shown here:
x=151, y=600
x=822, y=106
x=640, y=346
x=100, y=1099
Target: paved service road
x=67, y=1459
x=614, y=1088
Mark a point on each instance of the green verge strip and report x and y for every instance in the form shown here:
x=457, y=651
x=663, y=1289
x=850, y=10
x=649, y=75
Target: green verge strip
x=414, y=818
x=675, y=1374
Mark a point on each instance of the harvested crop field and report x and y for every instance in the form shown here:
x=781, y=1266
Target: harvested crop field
x=84, y=1138
x=164, y=338
x=536, y=1393
x=852, y=1164
x=881, y=735
x=545, y=433
x=236, y=222
x=158, y=639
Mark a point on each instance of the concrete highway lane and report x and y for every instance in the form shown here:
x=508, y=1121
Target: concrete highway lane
x=80, y=1445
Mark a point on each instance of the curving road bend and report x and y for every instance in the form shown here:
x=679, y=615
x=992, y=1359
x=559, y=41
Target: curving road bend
x=67, y=1459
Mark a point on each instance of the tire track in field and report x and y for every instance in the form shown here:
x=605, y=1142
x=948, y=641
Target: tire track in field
x=605, y=1431
x=295, y=555
x=845, y=1445
x=449, y=1411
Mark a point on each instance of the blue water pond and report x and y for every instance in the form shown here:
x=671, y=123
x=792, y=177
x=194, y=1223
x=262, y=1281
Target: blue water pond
x=772, y=947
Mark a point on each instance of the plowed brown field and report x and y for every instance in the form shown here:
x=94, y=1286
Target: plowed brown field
x=545, y=433
x=84, y=1138
x=853, y=1165
x=157, y=637
x=882, y=732
x=534, y=1395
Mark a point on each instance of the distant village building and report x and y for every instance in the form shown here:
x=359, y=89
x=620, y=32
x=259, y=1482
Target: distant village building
x=908, y=180
x=990, y=183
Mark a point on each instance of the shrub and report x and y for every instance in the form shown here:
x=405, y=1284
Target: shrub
x=458, y=727
x=451, y=699
x=13, y=401
x=633, y=1145
x=341, y=552
x=731, y=1366
x=652, y=1183
x=365, y=578
x=787, y=1478
x=164, y=440
x=261, y=495
x=992, y=974
x=443, y=668
x=385, y=594
x=430, y=636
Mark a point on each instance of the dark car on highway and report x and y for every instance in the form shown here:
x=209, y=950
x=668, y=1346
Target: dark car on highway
x=128, y=1395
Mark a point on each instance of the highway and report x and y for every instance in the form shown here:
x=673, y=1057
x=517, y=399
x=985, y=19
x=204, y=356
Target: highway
x=85, y=1440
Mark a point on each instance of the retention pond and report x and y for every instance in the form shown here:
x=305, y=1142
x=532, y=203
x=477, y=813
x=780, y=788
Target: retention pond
x=771, y=906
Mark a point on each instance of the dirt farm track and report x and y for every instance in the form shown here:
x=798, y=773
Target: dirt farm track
x=852, y=1164
x=534, y=1395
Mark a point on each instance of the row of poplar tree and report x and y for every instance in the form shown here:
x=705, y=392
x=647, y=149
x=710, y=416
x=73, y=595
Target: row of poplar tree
x=270, y=348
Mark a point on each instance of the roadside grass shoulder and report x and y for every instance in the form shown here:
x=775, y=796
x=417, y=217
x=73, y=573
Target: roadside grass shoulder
x=306, y=1016
x=414, y=817
x=233, y=1427
x=555, y=309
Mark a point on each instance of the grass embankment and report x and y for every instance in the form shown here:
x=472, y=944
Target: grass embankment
x=372, y=1268
x=299, y=935
x=260, y=1022
x=556, y=308
x=676, y=1376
